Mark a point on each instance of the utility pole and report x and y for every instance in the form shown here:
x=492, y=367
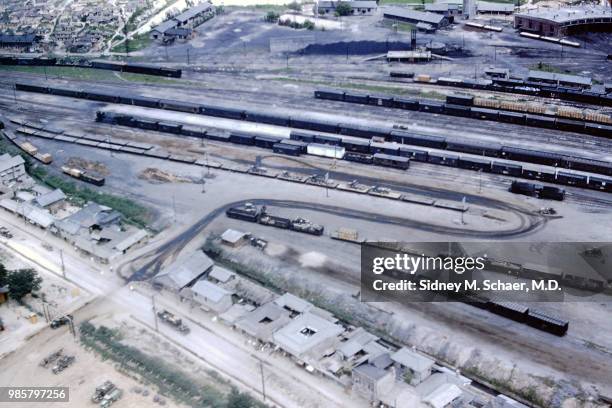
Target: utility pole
x=174, y=208
x=154, y=313
x=63, y=266
x=263, y=380
x=479, y=181
x=188, y=56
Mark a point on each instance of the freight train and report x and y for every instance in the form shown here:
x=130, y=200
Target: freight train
x=459, y=108
x=399, y=154
x=537, y=190
x=250, y=213
x=522, y=87
x=83, y=175
x=144, y=69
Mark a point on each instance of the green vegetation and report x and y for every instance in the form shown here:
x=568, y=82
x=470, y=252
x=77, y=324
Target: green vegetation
x=20, y=281
x=271, y=17
x=268, y=7
x=131, y=24
x=542, y=66
x=136, y=43
x=294, y=5
x=132, y=212
x=406, y=2
x=343, y=8
x=307, y=24
x=169, y=380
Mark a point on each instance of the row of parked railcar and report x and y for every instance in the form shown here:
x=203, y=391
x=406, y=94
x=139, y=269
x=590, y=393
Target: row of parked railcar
x=377, y=153
x=136, y=68
x=519, y=118
x=524, y=314
x=523, y=87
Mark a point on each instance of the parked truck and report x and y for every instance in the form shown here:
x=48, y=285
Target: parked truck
x=102, y=391
x=174, y=321
x=111, y=398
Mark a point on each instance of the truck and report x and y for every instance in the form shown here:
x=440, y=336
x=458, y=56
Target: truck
x=51, y=358
x=63, y=363
x=102, y=390
x=111, y=398
x=248, y=212
x=61, y=321
x=303, y=225
x=172, y=320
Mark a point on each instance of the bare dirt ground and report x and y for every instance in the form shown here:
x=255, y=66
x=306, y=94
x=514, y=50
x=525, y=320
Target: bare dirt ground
x=84, y=164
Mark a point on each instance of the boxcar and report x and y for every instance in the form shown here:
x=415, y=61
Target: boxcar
x=490, y=149
x=457, y=110
x=465, y=100
x=267, y=142
x=302, y=136
x=242, y=138
x=376, y=147
x=360, y=146
x=473, y=163
x=330, y=140
x=586, y=164
x=600, y=183
x=507, y=169
x=287, y=149
x=531, y=156
x=179, y=106
x=514, y=311
x=570, y=125
x=222, y=112
x=265, y=118
x=101, y=96
x=71, y=93
x=484, y=114
x=446, y=159
x=170, y=127
x=193, y=131
x=363, y=131
x=538, y=173
x=551, y=193
x=108, y=65
x=598, y=130
x=406, y=104
x=359, y=158
x=414, y=154
x=400, y=136
x=146, y=124
x=547, y=323
x=389, y=160
x=431, y=106
x=145, y=102
x=512, y=117
x=356, y=98
x=540, y=121
x=329, y=94
x=380, y=100
x=31, y=88
x=524, y=188
x=572, y=179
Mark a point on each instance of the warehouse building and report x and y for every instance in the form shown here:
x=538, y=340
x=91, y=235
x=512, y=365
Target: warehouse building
x=25, y=41
x=484, y=7
x=553, y=78
x=358, y=7
x=448, y=10
x=12, y=169
x=421, y=19
x=565, y=21
x=181, y=27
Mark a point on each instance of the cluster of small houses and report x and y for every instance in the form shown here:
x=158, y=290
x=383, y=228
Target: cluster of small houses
x=181, y=27
x=93, y=229
x=383, y=374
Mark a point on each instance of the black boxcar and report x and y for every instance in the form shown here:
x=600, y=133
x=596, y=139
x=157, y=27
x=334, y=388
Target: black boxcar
x=600, y=183
x=71, y=93
x=265, y=118
x=389, y=160
x=245, y=214
x=474, y=163
x=400, y=74
x=431, y=106
x=406, y=104
x=179, y=106
x=540, y=121
x=219, y=137
x=267, y=142
x=329, y=94
x=275, y=221
x=297, y=143
x=221, y=112
x=538, y=173
x=363, y=131
x=512, y=117
x=598, y=130
x=531, y=156
x=551, y=193
x=170, y=127
x=145, y=102
x=323, y=126
x=356, y=98
x=330, y=140
x=93, y=179
x=193, y=131
x=414, y=154
x=507, y=168
x=302, y=136
x=547, y=323
x=446, y=159
x=572, y=179
x=146, y=124
x=31, y=88
x=360, y=146
x=524, y=188
x=242, y=138
x=457, y=110
x=570, y=125
x=108, y=65
x=587, y=164
x=359, y=158
x=514, y=311
x=484, y=114
x=101, y=96
x=400, y=136
x=385, y=148
x=380, y=100
x=465, y=100
x=287, y=149
x=490, y=149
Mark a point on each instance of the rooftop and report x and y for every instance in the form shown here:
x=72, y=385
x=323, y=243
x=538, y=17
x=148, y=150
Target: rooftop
x=412, y=360
x=221, y=274
x=568, y=14
x=50, y=198
x=426, y=17
x=264, y=321
x=209, y=291
x=485, y=6
x=7, y=162
x=293, y=303
x=185, y=270
x=553, y=76
x=305, y=333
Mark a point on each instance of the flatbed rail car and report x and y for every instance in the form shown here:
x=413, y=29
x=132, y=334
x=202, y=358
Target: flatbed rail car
x=251, y=213
x=457, y=106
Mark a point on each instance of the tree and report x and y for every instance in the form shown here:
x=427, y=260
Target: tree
x=23, y=281
x=294, y=5
x=271, y=17
x=3, y=275
x=343, y=8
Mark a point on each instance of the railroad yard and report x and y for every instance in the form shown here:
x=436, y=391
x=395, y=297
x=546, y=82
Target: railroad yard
x=199, y=214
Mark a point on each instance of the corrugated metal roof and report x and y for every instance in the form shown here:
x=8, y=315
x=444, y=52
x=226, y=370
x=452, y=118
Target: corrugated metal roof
x=426, y=17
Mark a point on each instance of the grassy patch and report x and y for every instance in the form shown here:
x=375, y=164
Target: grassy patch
x=169, y=380
x=133, y=213
x=541, y=66
x=136, y=43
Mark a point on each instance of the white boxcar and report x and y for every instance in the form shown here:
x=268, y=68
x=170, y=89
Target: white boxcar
x=323, y=150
